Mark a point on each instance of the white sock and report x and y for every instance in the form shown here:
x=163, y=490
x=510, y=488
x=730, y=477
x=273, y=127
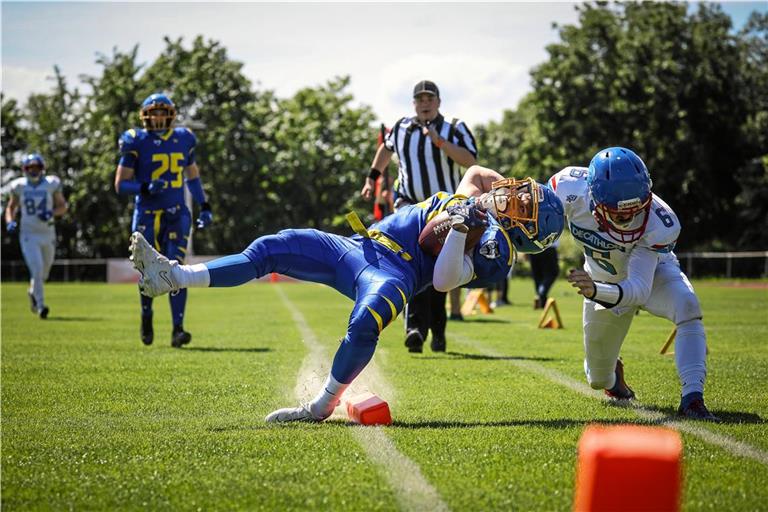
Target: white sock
x=328, y=398
x=188, y=276
x=691, y=356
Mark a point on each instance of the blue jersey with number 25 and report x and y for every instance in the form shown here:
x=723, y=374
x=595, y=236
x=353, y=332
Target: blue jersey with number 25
x=158, y=156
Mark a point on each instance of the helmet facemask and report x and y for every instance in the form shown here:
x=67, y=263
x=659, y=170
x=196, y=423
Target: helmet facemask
x=33, y=167
x=158, y=116
x=626, y=222
x=33, y=172
x=516, y=204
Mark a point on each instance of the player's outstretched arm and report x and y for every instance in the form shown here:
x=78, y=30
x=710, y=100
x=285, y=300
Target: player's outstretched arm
x=477, y=181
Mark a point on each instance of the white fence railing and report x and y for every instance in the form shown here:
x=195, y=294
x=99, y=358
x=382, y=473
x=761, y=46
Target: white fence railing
x=116, y=270
x=687, y=260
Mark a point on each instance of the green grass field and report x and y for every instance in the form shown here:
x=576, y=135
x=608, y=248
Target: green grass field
x=94, y=420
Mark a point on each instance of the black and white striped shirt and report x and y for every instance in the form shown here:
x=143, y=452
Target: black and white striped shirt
x=423, y=168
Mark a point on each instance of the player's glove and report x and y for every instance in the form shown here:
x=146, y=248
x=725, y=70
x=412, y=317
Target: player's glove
x=206, y=216
x=11, y=227
x=45, y=216
x=466, y=215
x=154, y=187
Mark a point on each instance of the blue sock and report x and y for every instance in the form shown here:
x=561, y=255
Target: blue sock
x=178, y=304
x=690, y=397
x=350, y=360
x=231, y=270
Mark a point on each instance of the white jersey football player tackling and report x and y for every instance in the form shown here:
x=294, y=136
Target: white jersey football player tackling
x=627, y=234
x=40, y=199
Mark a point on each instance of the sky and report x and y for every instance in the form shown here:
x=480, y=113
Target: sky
x=479, y=54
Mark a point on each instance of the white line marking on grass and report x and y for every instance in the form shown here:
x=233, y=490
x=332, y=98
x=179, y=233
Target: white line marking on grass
x=729, y=444
x=411, y=489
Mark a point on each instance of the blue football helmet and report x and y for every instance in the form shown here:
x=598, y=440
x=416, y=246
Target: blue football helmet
x=157, y=112
x=532, y=226
x=33, y=166
x=620, y=193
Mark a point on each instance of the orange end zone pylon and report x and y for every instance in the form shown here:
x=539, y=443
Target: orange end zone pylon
x=629, y=468
x=368, y=409
x=552, y=323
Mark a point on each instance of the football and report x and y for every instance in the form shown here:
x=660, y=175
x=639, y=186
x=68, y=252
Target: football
x=432, y=237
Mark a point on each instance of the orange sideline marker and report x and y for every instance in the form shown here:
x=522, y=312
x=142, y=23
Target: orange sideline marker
x=629, y=468
x=368, y=409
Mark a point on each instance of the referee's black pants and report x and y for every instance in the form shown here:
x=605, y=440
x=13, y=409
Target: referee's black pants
x=426, y=311
x=545, y=268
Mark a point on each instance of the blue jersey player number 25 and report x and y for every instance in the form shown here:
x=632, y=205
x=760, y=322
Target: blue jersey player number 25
x=155, y=164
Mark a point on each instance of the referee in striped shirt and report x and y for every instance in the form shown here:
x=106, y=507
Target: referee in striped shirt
x=430, y=149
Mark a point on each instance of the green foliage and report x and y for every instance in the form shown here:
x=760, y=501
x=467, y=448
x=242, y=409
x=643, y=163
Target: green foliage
x=267, y=163
x=684, y=91
x=688, y=93
x=319, y=147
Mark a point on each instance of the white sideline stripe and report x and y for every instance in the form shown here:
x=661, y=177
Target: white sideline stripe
x=729, y=444
x=399, y=471
x=412, y=491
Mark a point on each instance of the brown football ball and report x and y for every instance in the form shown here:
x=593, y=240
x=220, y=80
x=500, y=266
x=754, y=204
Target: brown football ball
x=432, y=237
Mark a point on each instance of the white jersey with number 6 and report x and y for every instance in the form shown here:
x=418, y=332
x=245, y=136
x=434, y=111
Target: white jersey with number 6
x=34, y=200
x=605, y=258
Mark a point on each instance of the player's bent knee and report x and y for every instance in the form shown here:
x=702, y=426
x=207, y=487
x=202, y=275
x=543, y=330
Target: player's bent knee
x=687, y=308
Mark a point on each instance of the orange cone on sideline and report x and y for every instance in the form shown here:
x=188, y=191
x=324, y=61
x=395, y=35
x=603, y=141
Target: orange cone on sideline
x=670, y=340
x=368, y=409
x=552, y=323
x=629, y=468
x=476, y=298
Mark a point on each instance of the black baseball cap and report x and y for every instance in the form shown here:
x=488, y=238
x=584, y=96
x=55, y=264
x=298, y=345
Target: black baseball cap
x=426, y=86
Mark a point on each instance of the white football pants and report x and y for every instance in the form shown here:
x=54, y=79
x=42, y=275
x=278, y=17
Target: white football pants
x=39, y=251
x=672, y=297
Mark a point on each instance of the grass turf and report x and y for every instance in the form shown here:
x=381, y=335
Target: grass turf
x=92, y=419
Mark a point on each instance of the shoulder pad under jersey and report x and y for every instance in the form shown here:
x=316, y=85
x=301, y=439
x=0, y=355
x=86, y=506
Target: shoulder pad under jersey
x=569, y=184
x=663, y=227
x=128, y=141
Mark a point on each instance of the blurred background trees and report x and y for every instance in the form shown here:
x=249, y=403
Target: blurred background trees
x=685, y=91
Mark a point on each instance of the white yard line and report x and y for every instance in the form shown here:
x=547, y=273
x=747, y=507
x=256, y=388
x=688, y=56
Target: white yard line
x=411, y=489
x=729, y=444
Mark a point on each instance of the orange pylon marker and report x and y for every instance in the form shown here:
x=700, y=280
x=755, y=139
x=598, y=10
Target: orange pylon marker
x=274, y=277
x=552, y=323
x=476, y=298
x=629, y=468
x=368, y=409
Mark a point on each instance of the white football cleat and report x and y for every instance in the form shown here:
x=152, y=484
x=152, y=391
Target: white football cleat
x=156, y=278
x=291, y=414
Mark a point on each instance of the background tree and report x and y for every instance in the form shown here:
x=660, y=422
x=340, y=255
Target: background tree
x=676, y=88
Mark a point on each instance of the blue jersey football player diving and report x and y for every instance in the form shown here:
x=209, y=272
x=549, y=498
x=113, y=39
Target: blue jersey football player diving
x=155, y=164
x=382, y=267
